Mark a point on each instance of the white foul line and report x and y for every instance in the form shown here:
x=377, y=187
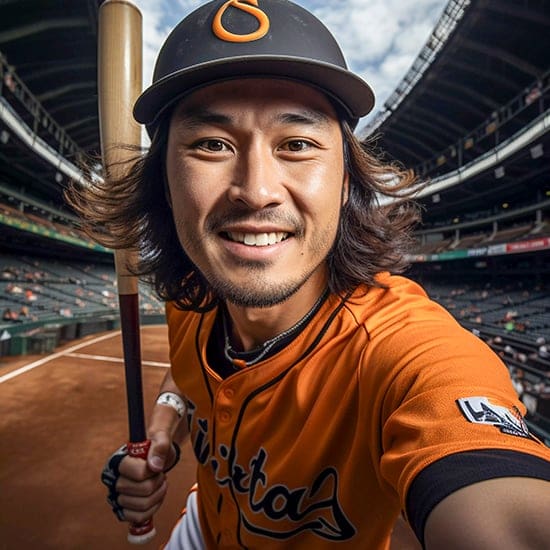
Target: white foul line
x=116, y=359
x=67, y=351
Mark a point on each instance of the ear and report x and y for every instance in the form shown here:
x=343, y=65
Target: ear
x=345, y=188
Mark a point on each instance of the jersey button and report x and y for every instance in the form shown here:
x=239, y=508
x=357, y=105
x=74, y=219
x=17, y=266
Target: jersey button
x=224, y=415
x=229, y=393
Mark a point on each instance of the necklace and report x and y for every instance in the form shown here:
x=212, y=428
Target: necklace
x=256, y=355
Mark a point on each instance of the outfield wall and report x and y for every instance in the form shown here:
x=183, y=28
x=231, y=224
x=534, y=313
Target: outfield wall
x=44, y=336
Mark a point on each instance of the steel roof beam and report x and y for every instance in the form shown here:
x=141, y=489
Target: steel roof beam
x=428, y=133
x=518, y=12
x=502, y=55
x=426, y=113
x=58, y=67
x=69, y=105
x=23, y=31
x=57, y=92
x=468, y=91
x=440, y=129
x=85, y=133
x=468, y=107
x=79, y=122
x=405, y=135
x=473, y=69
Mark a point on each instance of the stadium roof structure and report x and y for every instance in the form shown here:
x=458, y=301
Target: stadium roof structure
x=471, y=114
x=478, y=90
x=49, y=119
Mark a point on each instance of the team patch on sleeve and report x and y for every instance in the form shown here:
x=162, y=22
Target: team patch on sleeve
x=479, y=410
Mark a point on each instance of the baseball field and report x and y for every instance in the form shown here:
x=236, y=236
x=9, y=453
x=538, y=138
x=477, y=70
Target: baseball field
x=61, y=416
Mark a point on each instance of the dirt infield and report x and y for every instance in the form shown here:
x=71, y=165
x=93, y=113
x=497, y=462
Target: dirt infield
x=58, y=423
x=60, y=417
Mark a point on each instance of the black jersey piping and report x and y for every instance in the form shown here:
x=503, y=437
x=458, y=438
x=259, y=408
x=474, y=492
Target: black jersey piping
x=199, y=355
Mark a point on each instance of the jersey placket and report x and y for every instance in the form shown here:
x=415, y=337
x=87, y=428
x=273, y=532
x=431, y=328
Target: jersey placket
x=224, y=414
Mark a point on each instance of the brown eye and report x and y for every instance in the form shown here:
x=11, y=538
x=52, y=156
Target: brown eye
x=213, y=145
x=297, y=145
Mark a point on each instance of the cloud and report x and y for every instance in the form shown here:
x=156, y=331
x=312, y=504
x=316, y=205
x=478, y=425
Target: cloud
x=380, y=38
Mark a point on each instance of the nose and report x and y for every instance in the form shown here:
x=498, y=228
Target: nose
x=257, y=180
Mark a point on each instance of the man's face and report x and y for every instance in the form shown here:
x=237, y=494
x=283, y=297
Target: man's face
x=256, y=180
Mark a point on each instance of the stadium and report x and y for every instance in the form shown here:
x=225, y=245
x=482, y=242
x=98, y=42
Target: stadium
x=471, y=118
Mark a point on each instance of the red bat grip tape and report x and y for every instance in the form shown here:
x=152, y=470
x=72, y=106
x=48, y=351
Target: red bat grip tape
x=140, y=533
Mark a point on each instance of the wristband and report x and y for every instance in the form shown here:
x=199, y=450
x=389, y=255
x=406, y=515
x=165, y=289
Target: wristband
x=170, y=399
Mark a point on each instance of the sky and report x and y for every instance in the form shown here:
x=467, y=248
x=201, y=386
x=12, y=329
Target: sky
x=380, y=38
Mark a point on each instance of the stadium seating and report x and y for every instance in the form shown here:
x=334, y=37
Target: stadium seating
x=470, y=118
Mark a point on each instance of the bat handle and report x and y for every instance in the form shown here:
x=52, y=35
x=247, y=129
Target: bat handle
x=140, y=533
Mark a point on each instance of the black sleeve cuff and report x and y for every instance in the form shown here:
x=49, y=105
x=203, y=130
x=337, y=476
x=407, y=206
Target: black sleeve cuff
x=455, y=471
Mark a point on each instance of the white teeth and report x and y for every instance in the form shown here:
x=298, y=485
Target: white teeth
x=258, y=239
x=262, y=239
x=251, y=239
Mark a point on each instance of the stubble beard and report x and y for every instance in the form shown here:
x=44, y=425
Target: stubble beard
x=265, y=293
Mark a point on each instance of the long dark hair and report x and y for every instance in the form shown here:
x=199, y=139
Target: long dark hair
x=132, y=211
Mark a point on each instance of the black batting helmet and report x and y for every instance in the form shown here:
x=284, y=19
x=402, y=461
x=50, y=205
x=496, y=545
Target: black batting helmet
x=227, y=39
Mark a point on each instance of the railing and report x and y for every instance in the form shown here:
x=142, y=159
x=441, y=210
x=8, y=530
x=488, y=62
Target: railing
x=532, y=98
x=502, y=146
x=11, y=86
x=25, y=116
x=453, y=13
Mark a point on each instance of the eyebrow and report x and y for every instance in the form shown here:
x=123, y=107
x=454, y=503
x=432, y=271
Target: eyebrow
x=197, y=116
x=304, y=116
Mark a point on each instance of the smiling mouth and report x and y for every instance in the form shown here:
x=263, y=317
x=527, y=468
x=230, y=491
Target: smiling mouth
x=257, y=239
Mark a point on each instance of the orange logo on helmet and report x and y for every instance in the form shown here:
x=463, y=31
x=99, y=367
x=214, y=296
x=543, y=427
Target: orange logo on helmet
x=249, y=6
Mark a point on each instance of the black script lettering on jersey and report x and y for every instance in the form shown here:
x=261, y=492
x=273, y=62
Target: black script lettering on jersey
x=292, y=511
x=199, y=433
x=302, y=506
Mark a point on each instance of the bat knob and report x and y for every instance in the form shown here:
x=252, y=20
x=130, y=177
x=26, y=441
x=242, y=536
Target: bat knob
x=141, y=533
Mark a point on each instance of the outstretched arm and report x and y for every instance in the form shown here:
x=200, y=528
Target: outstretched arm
x=511, y=513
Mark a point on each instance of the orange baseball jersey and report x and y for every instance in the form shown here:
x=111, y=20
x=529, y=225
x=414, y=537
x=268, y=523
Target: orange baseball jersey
x=381, y=404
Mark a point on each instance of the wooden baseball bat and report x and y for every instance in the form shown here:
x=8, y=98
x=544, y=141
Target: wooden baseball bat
x=119, y=83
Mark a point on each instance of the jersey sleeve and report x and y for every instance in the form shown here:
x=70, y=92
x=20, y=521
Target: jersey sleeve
x=451, y=473
x=444, y=393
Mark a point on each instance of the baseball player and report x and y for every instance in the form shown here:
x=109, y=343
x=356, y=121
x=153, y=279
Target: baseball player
x=324, y=395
